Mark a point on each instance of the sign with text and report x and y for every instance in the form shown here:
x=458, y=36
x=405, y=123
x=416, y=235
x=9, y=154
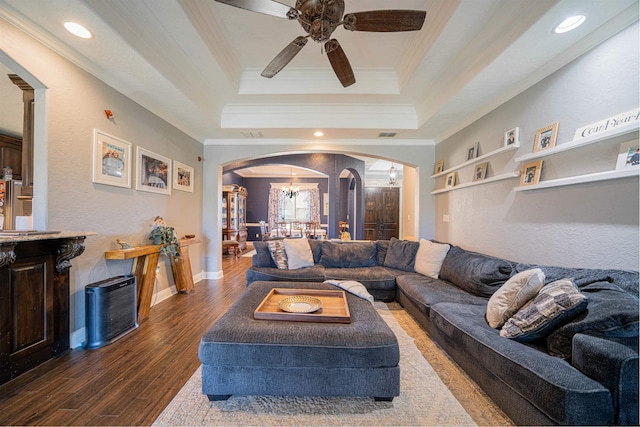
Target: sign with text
x=608, y=124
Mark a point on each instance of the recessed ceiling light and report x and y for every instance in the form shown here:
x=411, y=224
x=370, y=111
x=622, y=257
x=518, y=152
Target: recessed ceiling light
x=78, y=30
x=570, y=24
x=318, y=133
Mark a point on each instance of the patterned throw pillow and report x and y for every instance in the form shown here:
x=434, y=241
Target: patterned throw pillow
x=556, y=303
x=278, y=253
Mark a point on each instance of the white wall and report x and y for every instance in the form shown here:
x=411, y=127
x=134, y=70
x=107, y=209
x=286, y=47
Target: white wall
x=585, y=225
x=75, y=104
x=420, y=157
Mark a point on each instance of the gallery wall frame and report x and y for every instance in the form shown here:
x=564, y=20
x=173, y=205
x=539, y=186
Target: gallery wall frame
x=111, y=160
x=153, y=172
x=480, y=171
x=531, y=172
x=438, y=167
x=546, y=137
x=629, y=155
x=512, y=137
x=182, y=177
x=473, y=151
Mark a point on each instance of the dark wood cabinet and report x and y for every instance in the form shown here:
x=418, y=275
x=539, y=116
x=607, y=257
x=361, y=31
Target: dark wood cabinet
x=234, y=208
x=11, y=155
x=34, y=301
x=381, y=213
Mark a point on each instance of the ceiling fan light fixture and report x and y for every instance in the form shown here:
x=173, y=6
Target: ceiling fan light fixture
x=570, y=23
x=78, y=30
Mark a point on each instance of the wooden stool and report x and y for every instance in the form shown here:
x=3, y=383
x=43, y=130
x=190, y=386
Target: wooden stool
x=230, y=245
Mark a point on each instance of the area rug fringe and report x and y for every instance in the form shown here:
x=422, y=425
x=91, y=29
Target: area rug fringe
x=424, y=401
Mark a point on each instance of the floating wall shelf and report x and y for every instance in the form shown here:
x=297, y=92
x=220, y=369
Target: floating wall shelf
x=580, y=179
x=477, y=160
x=608, y=136
x=483, y=181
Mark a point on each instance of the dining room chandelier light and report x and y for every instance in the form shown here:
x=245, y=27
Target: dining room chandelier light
x=290, y=191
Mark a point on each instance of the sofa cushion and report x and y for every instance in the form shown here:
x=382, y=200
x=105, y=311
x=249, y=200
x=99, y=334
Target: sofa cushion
x=507, y=369
x=349, y=255
x=278, y=253
x=611, y=313
x=511, y=296
x=401, y=254
x=299, y=253
x=476, y=273
x=555, y=304
x=429, y=257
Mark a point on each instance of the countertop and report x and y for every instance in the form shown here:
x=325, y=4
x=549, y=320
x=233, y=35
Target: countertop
x=18, y=236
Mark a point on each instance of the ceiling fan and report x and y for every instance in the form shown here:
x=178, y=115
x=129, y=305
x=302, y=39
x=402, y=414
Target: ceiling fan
x=319, y=18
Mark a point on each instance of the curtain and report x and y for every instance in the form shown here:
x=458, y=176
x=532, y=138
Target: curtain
x=274, y=210
x=314, y=201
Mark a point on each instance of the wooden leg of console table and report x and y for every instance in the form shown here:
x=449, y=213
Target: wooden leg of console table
x=145, y=271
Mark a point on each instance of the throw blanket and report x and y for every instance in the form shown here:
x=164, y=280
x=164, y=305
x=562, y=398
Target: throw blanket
x=352, y=287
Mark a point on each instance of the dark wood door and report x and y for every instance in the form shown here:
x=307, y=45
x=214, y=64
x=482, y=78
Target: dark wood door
x=381, y=213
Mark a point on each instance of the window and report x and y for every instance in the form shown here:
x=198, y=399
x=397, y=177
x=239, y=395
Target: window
x=304, y=207
x=296, y=208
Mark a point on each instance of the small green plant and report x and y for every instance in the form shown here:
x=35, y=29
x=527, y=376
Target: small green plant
x=164, y=235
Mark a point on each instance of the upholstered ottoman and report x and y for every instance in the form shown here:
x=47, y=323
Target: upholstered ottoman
x=244, y=356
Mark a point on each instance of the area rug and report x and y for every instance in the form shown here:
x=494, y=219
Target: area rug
x=249, y=254
x=424, y=401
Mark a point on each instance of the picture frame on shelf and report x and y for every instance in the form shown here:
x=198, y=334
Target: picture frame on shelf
x=545, y=137
x=153, y=172
x=512, y=137
x=439, y=167
x=629, y=155
x=450, y=182
x=530, y=174
x=480, y=171
x=111, y=160
x=182, y=177
x=472, y=152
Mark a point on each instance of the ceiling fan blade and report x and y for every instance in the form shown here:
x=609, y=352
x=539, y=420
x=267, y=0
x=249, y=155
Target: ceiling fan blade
x=385, y=20
x=284, y=57
x=268, y=7
x=339, y=62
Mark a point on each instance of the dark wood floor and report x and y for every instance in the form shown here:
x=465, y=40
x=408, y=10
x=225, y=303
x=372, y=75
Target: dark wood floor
x=132, y=380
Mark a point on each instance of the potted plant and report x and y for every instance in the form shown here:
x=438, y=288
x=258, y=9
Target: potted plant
x=165, y=236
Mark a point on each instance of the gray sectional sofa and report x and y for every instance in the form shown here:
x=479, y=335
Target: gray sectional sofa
x=583, y=372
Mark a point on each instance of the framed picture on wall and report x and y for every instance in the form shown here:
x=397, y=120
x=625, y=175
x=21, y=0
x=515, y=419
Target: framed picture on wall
x=546, y=137
x=154, y=172
x=512, y=138
x=480, y=171
x=530, y=174
x=182, y=177
x=439, y=167
x=450, y=182
x=629, y=155
x=111, y=160
x=472, y=152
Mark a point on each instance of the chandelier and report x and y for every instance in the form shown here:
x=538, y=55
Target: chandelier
x=393, y=175
x=290, y=191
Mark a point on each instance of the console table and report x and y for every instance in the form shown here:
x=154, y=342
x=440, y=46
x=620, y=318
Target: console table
x=145, y=262
x=34, y=297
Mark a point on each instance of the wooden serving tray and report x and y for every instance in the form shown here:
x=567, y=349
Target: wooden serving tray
x=334, y=306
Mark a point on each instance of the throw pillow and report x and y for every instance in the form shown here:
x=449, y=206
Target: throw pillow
x=429, y=257
x=276, y=248
x=401, y=254
x=514, y=294
x=556, y=303
x=299, y=253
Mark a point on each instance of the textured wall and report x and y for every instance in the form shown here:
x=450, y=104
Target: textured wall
x=585, y=225
x=75, y=104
